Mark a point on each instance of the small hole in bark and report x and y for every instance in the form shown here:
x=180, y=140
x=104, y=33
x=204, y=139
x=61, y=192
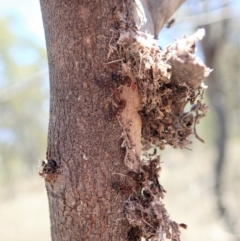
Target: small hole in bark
x=49, y=169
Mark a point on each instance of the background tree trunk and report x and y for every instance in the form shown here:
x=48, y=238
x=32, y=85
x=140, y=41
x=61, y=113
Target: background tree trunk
x=82, y=141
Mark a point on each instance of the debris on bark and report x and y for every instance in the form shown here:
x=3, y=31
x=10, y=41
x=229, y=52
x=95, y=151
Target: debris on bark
x=167, y=81
x=48, y=169
x=150, y=104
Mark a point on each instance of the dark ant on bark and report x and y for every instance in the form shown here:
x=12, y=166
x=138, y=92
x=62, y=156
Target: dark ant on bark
x=134, y=234
x=121, y=187
x=170, y=23
x=138, y=177
x=126, y=80
x=110, y=115
x=100, y=83
x=121, y=106
x=115, y=77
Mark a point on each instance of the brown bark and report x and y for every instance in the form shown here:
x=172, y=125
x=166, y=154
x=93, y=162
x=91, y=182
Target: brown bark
x=84, y=140
x=91, y=46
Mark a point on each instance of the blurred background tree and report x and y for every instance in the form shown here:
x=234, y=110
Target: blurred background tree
x=205, y=193
x=23, y=103
x=220, y=51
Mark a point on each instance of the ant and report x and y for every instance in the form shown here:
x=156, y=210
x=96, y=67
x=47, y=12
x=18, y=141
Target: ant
x=126, y=80
x=121, y=187
x=121, y=106
x=170, y=23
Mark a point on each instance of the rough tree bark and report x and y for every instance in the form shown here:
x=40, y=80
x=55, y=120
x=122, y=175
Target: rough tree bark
x=86, y=179
x=81, y=139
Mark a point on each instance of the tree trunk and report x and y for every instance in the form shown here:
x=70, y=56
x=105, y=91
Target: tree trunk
x=102, y=67
x=84, y=142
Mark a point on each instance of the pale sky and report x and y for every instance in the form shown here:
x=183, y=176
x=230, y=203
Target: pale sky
x=28, y=13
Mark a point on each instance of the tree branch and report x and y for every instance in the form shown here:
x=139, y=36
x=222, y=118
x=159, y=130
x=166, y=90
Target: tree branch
x=157, y=13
